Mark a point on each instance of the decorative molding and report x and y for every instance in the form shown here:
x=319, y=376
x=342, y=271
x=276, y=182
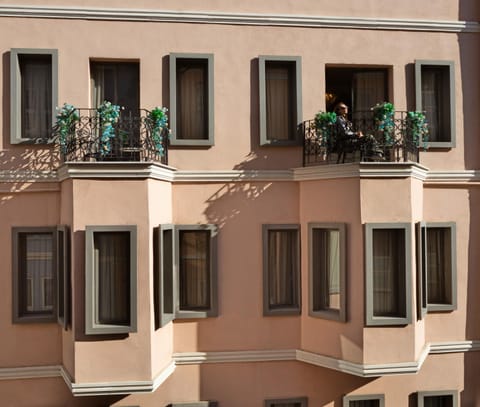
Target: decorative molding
x=24, y=180
x=230, y=18
x=189, y=358
x=250, y=356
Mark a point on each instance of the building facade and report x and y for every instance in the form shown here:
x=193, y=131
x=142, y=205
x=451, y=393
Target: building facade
x=246, y=256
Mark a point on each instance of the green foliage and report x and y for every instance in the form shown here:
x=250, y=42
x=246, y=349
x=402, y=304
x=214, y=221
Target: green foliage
x=67, y=117
x=324, y=122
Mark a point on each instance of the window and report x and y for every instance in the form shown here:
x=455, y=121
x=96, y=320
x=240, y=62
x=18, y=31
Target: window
x=40, y=274
x=377, y=400
x=281, y=269
x=110, y=279
x=195, y=404
x=186, y=280
x=437, y=399
x=435, y=94
x=327, y=270
x=191, y=99
x=293, y=402
x=280, y=87
x=360, y=88
x=436, y=267
x=388, y=259
x=33, y=94
x=116, y=82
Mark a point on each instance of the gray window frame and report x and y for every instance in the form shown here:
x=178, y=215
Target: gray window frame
x=422, y=274
x=370, y=319
x=332, y=314
x=296, y=309
x=16, y=136
x=91, y=285
x=369, y=397
x=422, y=394
x=174, y=140
x=17, y=316
x=174, y=285
x=418, y=98
x=262, y=61
x=278, y=402
x=63, y=275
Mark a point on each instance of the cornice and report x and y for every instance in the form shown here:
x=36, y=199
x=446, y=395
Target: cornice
x=249, y=356
x=230, y=18
x=20, y=180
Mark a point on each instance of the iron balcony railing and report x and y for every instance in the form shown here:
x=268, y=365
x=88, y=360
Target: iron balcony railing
x=329, y=145
x=133, y=138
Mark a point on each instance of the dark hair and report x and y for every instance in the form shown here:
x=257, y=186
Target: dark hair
x=337, y=107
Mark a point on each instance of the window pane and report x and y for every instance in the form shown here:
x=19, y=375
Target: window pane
x=112, y=260
x=283, y=268
x=36, y=95
x=194, y=269
x=326, y=269
x=280, y=100
x=36, y=274
x=439, y=264
x=438, y=401
x=192, y=99
x=436, y=101
x=389, y=272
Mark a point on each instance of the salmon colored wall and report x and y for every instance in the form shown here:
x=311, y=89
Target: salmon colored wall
x=114, y=203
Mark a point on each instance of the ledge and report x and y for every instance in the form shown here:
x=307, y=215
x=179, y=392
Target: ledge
x=259, y=19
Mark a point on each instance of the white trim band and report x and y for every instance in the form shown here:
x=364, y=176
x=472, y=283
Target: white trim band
x=210, y=17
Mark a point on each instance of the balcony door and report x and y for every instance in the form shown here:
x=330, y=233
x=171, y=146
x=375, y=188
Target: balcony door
x=116, y=82
x=360, y=88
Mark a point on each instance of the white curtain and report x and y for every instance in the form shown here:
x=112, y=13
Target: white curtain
x=278, y=102
x=439, y=265
x=36, y=97
x=192, y=102
x=194, y=269
x=39, y=272
x=388, y=272
x=112, y=259
x=282, y=267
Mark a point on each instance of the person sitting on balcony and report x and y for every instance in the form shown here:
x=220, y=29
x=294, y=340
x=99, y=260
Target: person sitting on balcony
x=346, y=140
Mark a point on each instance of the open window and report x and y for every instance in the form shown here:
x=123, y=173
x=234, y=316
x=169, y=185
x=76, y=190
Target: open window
x=374, y=400
x=186, y=272
x=327, y=270
x=437, y=398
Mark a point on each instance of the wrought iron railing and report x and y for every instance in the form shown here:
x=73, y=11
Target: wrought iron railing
x=133, y=138
x=398, y=143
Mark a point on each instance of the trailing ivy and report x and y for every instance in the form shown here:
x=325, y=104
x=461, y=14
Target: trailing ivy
x=67, y=117
x=108, y=114
x=417, y=128
x=324, y=122
x=159, y=122
x=383, y=115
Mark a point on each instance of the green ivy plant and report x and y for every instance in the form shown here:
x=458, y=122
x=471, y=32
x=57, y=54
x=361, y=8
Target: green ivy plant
x=67, y=117
x=417, y=128
x=108, y=114
x=383, y=116
x=324, y=122
x=159, y=122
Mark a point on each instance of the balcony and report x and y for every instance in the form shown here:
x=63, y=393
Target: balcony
x=399, y=141
x=131, y=137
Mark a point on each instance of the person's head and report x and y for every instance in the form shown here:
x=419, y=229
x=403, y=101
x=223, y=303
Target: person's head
x=341, y=109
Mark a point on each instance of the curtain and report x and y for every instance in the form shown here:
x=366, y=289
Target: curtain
x=112, y=259
x=194, y=269
x=36, y=91
x=364, y=403
x=368, y=90
x=192, y=101
x=38, y=268
x=439, y=265
x=388, y=272
x=326, y=269
x=283, y=267
x=279, y=99
x=436, y=101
